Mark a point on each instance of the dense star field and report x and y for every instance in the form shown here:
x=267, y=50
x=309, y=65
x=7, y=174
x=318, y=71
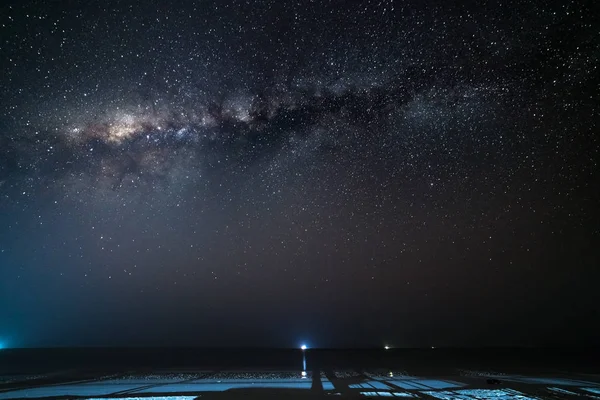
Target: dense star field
x=270, y=173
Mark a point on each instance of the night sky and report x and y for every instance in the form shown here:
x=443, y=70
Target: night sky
x=271, y=173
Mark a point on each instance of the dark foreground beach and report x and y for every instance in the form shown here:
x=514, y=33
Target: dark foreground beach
x=184, y=373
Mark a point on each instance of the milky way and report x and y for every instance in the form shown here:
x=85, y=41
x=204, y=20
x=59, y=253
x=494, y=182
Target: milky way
x=145, y=140
x=245, y=163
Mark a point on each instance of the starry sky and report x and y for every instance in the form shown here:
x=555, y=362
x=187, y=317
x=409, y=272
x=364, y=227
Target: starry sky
x=269, y=173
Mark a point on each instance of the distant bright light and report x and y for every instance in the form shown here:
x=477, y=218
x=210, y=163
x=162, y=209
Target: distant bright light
x=386, y=347
x=303, y=347
x=304, y=374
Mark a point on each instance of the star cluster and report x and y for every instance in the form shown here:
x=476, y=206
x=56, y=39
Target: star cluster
x=296, y=167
